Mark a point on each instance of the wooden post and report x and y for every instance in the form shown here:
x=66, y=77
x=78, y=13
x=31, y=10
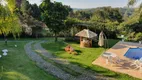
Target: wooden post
x=90, y=42
x=80, y=41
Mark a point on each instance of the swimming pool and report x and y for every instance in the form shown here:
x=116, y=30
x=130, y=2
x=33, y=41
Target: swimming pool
x=134, y=53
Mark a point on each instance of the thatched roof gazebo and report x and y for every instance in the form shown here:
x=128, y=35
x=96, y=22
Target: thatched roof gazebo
x=86, y=37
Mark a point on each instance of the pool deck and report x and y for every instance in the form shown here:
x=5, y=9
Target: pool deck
x=124, y=66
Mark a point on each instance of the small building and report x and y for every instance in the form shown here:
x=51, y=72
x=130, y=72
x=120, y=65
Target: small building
x=86, y=37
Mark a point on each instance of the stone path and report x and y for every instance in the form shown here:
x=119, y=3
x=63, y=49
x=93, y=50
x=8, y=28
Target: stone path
x=46, y=65
x=54, y=69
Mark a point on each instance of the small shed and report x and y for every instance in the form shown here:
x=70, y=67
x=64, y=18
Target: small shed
x=86, y=37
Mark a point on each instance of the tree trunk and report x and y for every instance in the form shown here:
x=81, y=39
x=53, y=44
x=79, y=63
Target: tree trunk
x=5, y=39
x=36, y=35
x=56, y=38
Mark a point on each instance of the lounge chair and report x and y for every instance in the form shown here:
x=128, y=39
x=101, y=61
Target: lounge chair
x=111, y=57
x=137, y=64
x=141, y=59
x=140, y=64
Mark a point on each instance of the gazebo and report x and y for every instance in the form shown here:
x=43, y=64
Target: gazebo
x=86, y=37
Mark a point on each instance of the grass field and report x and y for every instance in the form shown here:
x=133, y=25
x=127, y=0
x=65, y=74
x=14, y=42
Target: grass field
x=17, y=66
x=85, y=57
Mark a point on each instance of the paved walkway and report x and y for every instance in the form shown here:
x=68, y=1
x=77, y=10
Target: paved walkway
x=54, y=69
x=124, y=65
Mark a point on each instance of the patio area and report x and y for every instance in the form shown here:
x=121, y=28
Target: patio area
x=124, y=65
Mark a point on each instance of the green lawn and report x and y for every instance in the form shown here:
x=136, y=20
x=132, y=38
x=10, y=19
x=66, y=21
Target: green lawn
x=85, y=57
x=17, y=66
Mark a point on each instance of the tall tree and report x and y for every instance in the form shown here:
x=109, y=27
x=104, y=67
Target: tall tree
x=133, y=2
x=107, y=17
x=9, y=22
x=29, y=16
x=35, y=11
x=54, y=14
x=25, y=7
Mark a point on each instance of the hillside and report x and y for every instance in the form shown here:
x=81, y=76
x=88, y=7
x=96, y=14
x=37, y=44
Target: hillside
x=124, y=10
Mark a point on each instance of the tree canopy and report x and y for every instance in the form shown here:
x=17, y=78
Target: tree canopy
x=54, y=14
x=19, y=16
x=9, y=22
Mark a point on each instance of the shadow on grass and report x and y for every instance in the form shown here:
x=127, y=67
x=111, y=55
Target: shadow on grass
x=78, y=51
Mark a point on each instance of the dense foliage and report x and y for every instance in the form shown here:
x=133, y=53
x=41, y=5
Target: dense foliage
x=105, y=18
x=54, y=14
x=9, y=21
x=131, y=27
x=19, y=17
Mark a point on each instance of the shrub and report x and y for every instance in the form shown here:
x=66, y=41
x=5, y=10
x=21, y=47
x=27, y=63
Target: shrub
x=138, y=36
x=131, y=36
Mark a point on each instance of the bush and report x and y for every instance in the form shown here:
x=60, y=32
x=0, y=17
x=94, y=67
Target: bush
x=131, y=36
x=138, y=36
x=110, y=34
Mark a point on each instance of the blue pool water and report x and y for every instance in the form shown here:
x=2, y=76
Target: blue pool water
x=134, y=53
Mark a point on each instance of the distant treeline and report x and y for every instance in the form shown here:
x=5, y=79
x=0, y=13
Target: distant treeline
x=123, y=11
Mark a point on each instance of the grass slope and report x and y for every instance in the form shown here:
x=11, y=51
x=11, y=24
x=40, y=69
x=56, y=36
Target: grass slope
x=17, y=66
x=85, y=58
